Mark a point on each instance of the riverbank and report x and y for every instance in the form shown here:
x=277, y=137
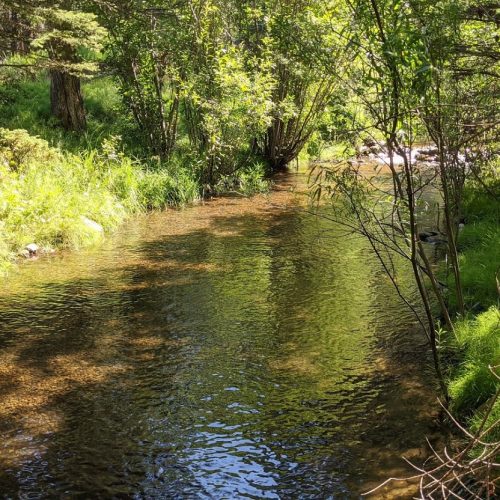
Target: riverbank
x=60, y=190
x=476, y=346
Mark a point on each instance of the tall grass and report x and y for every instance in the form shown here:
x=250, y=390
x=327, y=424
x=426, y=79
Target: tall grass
x=478, y=340
x=471, y=382
x=47, y=197
x=477, y=343
x=52, y=182
x=479, y=246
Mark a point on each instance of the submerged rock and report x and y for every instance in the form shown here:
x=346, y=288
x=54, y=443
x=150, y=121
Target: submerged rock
x=426, y=159
x=433, y=237
x=427, y=155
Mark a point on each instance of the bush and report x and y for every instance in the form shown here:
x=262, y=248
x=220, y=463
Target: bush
x=52, y=182
x=48, y=197
x=18, y=149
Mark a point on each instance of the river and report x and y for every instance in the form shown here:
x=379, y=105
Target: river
x=241, y=348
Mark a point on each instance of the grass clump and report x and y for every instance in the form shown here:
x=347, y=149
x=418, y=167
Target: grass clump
x=63, y=200
x=480, y=261
x=479, y=247
x=478, y=339
x=47, y=197
x=472, y=384
x=159, y=188
x=246, y=181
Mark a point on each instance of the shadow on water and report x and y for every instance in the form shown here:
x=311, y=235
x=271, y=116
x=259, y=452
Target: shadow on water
x=242, y=349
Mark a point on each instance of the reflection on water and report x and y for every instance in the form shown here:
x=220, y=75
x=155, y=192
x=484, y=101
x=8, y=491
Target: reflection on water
x=244, y=348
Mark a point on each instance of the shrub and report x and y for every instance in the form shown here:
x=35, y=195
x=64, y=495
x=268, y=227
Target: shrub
x=18, y=149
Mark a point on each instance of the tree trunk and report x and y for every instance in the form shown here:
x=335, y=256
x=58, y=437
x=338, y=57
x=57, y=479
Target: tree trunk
x=66, y=100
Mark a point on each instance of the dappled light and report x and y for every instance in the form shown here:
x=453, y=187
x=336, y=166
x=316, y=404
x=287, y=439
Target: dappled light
x=187, y=338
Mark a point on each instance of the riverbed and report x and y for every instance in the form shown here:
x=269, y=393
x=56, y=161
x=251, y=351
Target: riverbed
x=240, y=348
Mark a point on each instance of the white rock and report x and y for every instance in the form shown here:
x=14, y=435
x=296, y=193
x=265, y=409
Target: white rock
x=92, y=224
x=32, y=248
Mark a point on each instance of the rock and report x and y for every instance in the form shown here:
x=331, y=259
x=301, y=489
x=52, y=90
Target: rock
x=428, y=152
x=426, y=159
x=92, y=225
x=32, y=249
x=437, y=240
x=367, y=151
x=433, y=237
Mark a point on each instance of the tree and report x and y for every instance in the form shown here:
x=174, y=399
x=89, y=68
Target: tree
x=65, y=35
x=144, y=48
x=61, y=40
x=305, y=57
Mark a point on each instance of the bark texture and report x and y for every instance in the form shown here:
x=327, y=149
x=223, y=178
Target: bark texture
x=66, y=100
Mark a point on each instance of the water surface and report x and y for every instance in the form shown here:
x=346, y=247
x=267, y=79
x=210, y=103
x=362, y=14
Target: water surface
x=243, y=348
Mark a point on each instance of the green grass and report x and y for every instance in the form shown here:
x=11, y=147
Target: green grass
x=478, y=419
x=47, y=194
x=25, y=105
x=478, y=339
x=479, y=247
x=246, y=181
x=52, y=181
x=471, y=383
x=163, y=187
x=479, y=263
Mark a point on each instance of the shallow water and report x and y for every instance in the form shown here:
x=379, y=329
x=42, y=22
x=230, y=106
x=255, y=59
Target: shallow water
x=240, y=349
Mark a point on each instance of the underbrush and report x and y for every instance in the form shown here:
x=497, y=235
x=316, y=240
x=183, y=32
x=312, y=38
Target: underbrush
x=66, y=200
x=478, y=340
x=479, y=262
x=24, y=104
x=472, y=385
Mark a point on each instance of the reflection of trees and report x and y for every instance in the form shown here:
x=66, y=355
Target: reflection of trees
x=247, y=344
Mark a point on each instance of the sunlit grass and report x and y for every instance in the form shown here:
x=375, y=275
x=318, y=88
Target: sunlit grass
x=471, y=383
x=52, y=182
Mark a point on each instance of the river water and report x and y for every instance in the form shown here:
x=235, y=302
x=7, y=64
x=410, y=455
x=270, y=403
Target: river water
x=243, y=348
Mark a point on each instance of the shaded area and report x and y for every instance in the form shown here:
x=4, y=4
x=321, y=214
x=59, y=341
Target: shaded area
x=243, y=348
